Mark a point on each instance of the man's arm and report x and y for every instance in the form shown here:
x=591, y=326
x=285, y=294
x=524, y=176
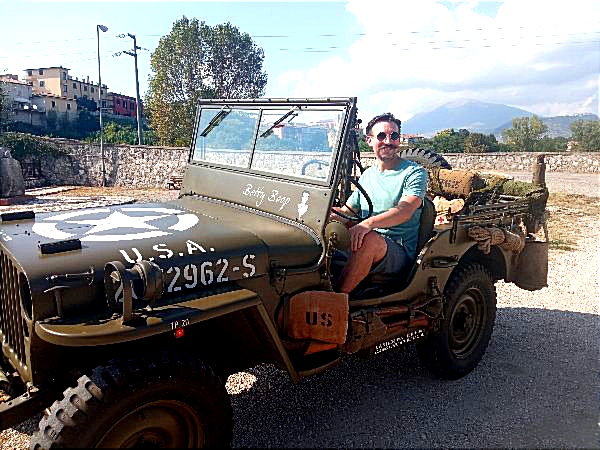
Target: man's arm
x=343, y=209
x=400, y=213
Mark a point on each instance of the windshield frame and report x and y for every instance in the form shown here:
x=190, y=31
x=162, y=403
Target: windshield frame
x=343, y=105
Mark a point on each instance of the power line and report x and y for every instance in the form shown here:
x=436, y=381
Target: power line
x=391, y=33
x=345, y=35
x=53, y=41
x=448, y=47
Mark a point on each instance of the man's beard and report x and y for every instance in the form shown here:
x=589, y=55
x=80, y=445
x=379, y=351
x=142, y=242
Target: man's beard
x=391, y=152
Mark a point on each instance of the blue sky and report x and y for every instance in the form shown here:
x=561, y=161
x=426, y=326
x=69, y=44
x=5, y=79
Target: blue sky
x=403, y=56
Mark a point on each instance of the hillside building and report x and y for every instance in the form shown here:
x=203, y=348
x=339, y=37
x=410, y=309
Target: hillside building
x=62, y=90
x=123, y=105
x=52, y=89
x=23, y=106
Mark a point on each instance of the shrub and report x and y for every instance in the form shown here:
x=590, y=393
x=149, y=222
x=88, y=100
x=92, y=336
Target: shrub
x=22, y=145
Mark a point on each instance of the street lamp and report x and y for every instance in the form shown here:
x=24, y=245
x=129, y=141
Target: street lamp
x=104, y=30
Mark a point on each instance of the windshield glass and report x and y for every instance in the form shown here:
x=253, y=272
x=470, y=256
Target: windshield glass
x=227, y=141
x=296, y=141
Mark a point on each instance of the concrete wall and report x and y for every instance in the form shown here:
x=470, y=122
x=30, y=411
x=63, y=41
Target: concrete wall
x=145, y=166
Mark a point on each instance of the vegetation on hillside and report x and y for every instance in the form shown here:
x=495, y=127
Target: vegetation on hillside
x=123, y=132
x=461, y=141
x=528, y=134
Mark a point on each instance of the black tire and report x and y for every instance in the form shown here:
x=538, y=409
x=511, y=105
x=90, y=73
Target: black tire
x=467, y=324
x=427, y=158
x=167, y=401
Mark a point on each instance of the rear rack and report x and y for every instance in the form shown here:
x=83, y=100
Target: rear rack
x=501, y=213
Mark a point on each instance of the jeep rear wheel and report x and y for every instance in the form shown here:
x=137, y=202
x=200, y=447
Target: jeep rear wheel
x=168, y=401
x=465, y=330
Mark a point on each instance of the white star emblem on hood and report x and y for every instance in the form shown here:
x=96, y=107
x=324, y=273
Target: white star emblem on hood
x=101, y=220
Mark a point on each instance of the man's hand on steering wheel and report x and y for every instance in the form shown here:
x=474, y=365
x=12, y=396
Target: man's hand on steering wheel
x=347, y=213
x=344, y=214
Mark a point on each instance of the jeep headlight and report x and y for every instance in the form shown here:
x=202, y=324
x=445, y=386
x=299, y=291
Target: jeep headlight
x=144, y=281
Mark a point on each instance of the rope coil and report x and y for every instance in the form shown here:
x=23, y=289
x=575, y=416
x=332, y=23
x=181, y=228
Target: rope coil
x=513, y=240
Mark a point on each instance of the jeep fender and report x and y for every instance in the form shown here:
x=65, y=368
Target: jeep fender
x=439, y=258
x=168, y=319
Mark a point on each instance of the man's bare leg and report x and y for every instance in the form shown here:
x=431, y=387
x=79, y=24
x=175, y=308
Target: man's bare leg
x=372, y=251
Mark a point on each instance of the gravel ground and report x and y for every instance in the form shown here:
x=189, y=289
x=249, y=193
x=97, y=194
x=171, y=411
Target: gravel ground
x=537, y=386
x=569, y=183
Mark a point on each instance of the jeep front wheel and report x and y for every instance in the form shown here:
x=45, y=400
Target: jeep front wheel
x=168, y=401
x=466, y=327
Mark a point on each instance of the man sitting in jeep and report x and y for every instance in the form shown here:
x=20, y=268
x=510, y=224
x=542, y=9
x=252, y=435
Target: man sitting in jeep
x=386, y=241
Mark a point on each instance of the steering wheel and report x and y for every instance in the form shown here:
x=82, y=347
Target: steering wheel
x=314, y=161
x=355, y=217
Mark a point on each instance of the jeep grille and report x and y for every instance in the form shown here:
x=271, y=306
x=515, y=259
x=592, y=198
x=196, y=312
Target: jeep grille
x=12, y=326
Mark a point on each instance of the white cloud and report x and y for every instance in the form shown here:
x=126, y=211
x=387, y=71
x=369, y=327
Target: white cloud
x=416, y=55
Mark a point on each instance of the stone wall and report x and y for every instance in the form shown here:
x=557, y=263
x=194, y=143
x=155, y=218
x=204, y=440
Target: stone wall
x=124, y=165
x=146, y=167
x=510, y=162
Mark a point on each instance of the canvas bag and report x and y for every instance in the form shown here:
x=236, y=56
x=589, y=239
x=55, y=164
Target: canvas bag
x=315, y=315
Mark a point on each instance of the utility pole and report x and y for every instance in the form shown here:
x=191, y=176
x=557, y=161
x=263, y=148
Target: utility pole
x=104, y=29
x=137, y=86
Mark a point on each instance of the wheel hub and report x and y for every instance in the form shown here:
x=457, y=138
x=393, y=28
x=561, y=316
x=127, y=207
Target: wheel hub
x=160, y=424
x=466, y=323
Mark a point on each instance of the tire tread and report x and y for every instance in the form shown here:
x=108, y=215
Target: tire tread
x=69, y=417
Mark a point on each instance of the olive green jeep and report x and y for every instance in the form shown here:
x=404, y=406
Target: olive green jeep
x=130, y=318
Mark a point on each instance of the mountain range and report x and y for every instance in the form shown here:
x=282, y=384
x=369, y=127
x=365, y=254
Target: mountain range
x=482, y=117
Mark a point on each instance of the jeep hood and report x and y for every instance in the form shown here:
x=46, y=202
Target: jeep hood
x=193, y=242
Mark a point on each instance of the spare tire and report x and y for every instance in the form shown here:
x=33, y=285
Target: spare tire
x=427, y=158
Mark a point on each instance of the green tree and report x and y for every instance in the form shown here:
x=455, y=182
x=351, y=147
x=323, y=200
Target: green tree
x=362, y=143
x=52, y=121
x=450, y=141
x=480, y=143
x=197, y=61
x=4, y=108
x=86, y=123
x=587, y=135
x=525, y=134
x=548, y=144
x=234, y=63
x=86, y=104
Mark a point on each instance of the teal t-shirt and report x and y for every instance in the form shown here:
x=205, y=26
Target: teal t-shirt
x=385, y=190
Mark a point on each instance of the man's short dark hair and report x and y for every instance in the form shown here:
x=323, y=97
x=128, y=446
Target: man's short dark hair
x=385, y=117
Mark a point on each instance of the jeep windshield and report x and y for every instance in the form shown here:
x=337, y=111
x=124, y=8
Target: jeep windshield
x=290, y=140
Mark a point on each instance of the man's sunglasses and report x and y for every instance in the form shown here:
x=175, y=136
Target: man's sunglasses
x=393, y=136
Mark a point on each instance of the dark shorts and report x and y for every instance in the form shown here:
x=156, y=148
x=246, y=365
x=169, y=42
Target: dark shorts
x=395, y=261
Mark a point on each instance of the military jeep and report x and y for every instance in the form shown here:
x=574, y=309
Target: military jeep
x=130, y=318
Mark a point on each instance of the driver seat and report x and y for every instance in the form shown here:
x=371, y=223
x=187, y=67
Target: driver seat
x=381, y=284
